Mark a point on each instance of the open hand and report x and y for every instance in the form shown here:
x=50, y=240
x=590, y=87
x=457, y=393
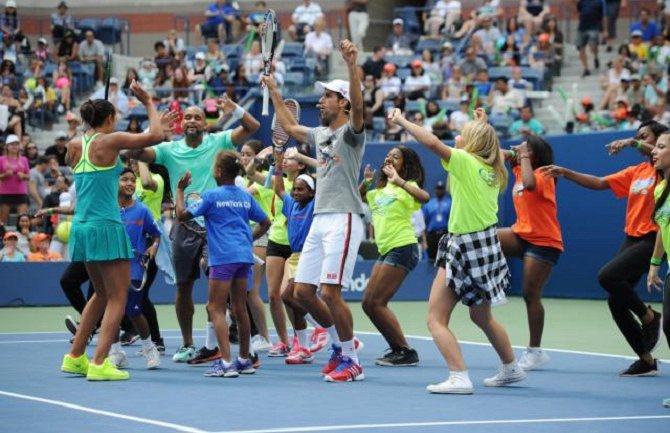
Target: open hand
x=391, y=174
x=653, y=280
x=480, y=115
x=184, y=181
x=349, y=52
x=369, y=174
x=140, y=93
x=169, y=121
x=226, y=105
x=553, y=171
x=396, y=116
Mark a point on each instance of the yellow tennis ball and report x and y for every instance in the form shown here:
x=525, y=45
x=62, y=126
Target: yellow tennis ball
x=63, y=231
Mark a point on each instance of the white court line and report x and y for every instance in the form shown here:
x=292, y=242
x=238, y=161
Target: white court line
x=444, y=424
x=177, y=427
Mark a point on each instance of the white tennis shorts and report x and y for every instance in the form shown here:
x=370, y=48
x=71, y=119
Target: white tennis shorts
x=330, y=250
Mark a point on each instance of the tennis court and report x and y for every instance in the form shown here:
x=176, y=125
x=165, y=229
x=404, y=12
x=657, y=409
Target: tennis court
x=579, y=391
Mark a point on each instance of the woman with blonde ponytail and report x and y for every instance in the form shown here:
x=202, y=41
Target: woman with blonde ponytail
x=471, y=266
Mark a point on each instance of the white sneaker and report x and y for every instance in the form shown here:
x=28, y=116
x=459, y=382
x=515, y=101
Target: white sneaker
x=152, y=356
x=533, y=358
x=260, y=344
x=118, y=359
x=455, y=384
x=506, y=375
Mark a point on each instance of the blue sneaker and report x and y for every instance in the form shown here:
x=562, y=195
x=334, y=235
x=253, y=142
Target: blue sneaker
x=246, y=367
x=334, y=361
x=217, y=369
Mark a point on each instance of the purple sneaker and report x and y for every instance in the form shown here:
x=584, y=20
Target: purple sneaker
x=217, y=369
x=246, y=367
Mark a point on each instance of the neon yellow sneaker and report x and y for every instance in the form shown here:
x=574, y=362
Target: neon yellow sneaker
x=75, y=365
x=106, y=371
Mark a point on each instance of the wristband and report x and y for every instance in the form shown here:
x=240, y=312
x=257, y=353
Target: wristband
x=638, y=144
x=51, y=211
x=513, y=152
x=278, y=173
x=656, y=261
x=238, y=113
x=404, y=182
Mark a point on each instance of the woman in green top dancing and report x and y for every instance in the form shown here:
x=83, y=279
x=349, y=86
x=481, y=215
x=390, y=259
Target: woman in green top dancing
x=660, y=156
x=98, y=237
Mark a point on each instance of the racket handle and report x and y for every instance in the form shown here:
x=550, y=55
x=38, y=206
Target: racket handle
x=266, y=102
x=268, y=180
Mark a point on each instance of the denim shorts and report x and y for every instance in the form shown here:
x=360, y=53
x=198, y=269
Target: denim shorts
x=547, y=255
x=405, y=257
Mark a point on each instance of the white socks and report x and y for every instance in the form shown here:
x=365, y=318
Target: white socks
x=312, y=321
x=334, y=338
x=116, y=347
x=349, y=350
x=210, y=340
x=303, y=341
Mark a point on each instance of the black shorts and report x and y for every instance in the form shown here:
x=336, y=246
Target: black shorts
x=278, y=250
x=210, y=30
x=189, y=245
x=14, y=199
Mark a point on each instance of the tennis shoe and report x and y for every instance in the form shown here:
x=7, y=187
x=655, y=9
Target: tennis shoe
x=245, y=367
x=506, y=375
x=184, y=353
x=260, y=344
x=405, y=357
x=152, y=357
x=77, y=365
x=105, y=371
x=533, y=358
x=160, y=345
x=640, y=368
x=71, y=324
x=666, y=403
x=217, y=369
x=255, y=361
x=299, y=355
x=280, y=349
x=347, y=371
x=118, y=358
x=318, y=340
x=334, y=361
x=128, y=338
x=204, y=355
x=455, y=384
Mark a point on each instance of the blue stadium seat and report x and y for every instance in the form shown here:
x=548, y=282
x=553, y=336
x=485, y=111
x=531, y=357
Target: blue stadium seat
x=293, y=49
x=231, y=50
x=378, y=124
x=122, y=125
x=190, y=53
x=448, y=105
x=110, y=31
x=434, y=45
x=139, y=113
x=294, y=79
x=403, y=73
x=412, y=106
x=399, y=61
x=89, y=24
x=49, y=69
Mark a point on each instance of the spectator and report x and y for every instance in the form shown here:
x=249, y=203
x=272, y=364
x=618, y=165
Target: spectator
x=373, y=100
x=181, y=84
x=115, y=96
x=591, y=13
x=214, y=55
x=447, y=61
x=482, y=83
x=532, y=14
x=455, y=86
x=220, y=17
x=375, y=64
x=131, y=74
x=303, y=18
x=418, y=119
x=61, y=23
x=555, y=37
x=431, y=67
x=635, y=94
x=512, y=28
x=10, y=252
x=92, y=51
x=253, y=60
x=389, y=84
x=37, y=183
x=543, y=58
x=68, y=48
x=435, y=19
x=14, y=111
x=399, y=42
x=471, y=64
x=134, y=126
x=256, y=17
x=359, y=20
x=611, y=82
x=655, y=87
x=518, y=82
x=437, y=119
x=526, y=124
x=14, y=175
x=417, y=84
x=509, y=53
x=488, y=35
x=638, y=48
x=199, y=75
x=221, y=80
x=162, y=59
x=42, y=253
x=25, y=234
x=436, y=216
x=174, y=44
x=147, y=74
x=32, y=154
x=73, y=124
x=62, y=79
x=9, y=21
x=319, y=44
x=460, y=117
x=612, y=13
x=42, y=51
x=504, y=99
x=59, y=148
x=647, y=27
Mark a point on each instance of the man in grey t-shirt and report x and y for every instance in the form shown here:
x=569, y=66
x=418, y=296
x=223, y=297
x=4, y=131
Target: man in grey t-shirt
x=329, y=254
x=92, y=51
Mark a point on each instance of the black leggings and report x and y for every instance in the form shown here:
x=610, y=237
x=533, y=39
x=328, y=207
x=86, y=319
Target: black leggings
x=148, y=309
x=619, y=278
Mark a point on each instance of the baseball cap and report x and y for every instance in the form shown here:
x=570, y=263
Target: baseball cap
x=587, y=101
x=113, y=80
x=465, y=98
x=544, y=37
x=398, y=21
x=635, y=77
x=41, y=237
x=10, y=235
x=11, y=138
x=416, y=63
x=390, y=67
x=200, y=55
x=447, y=45
x=61, y=135
x=440, y=184
x=10, y=4
x=42, y=41
x=636, y=33
x=337, y=86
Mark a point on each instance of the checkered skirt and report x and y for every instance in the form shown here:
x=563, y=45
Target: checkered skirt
x=476, y=267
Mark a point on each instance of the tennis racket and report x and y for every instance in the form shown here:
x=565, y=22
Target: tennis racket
x=268, y=45
x=279, y=135
x=195, y=225
x=108, y=72
x=144, y=262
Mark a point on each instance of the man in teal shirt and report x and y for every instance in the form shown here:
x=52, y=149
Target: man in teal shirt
x=526, y=124
x=196, y=153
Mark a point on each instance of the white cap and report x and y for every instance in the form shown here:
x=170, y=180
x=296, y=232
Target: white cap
x=42, y=41
x=200, y=55
x=11, y=138
x=113, y=80
x=337, y=86
x=61, y=135
x=398, y=21
x=10, y=4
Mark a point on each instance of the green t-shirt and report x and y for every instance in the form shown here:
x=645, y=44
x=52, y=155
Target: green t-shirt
x=178, y=158
x=474, y=193
x=265, y=198
x=151, y=199
x=279, y=227
x=662, y=217
x=392, y=208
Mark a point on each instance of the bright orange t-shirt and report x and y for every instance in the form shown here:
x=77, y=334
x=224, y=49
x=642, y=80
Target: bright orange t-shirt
x=50, y=257
x=536, y=214
x=637, y=183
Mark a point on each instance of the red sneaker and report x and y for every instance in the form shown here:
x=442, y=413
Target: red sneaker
x=279, y=349
x=334, y=361
x=347, y=371
x=318, y=340
x=299, y=355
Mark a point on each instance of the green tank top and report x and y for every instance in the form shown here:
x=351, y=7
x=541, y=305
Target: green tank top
x=97, y=188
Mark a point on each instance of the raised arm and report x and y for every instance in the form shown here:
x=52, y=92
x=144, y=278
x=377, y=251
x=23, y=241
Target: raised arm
x=417, y=193
x=284, y=116
x=368, y=178
x=180, y=206
x=248, y=123
x=278, y=176
x=585, y=180
x=642, y=146
x=422, y=135
x=350, y=56
x=145, y=177
x=293, y=153
x=527, y=174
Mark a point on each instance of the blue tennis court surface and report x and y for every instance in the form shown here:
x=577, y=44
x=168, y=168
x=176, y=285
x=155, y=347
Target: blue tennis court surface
x=576, y=393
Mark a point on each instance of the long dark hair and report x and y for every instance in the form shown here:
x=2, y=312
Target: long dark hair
x=95, y=112
x=257, y=146
x=543, y=154
x=412, y=169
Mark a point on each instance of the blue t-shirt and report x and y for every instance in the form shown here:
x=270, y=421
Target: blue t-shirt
x=225, y=10
x=299, y=221
x=139, y=222
x=648, y=33
x=227, y=211
x=436, y=213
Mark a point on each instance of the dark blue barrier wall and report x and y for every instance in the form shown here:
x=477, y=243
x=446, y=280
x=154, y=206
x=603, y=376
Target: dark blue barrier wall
x=592, y=223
